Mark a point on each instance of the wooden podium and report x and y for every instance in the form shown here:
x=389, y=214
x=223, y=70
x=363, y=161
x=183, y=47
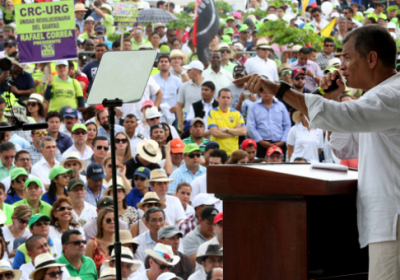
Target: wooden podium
x=288, y=222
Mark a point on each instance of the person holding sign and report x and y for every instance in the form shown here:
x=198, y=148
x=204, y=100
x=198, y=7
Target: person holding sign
x=105, y=12
x=62, y=90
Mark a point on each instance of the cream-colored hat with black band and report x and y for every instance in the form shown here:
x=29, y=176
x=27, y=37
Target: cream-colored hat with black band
x=5, y=266
x=158, y=175
x=263, y=44
x=109, y=273
x=43, y=261
x=149, y=150
x=74, y=156
x=150, y=197
x=120, y=185
x=125, y=237
x=164, y=254
x=35, y=97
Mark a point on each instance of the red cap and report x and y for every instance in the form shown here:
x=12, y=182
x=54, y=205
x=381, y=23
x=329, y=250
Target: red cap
x=219, y=217
x=100, y=107
x=297, y=72
x=245, y=143
x=274, y=149
x=148, y=103
x=177, y=146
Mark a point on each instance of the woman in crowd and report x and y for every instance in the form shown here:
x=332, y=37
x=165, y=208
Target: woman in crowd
x=62, y=218
x=149, y=200
x=46, y=268
x=303, y=141
x=20, y=219
x=16, y=192
x=5, y=136
x=239, y=156
x=120, y=171
x=183, y=191
x=155, y=40
x=91, y=132
x=3, y=250
x=168, y=134
x=36, y=108
x=176, y=44
x=126, y=213
x=59, y=179
x=97, y=248
x=122, y=148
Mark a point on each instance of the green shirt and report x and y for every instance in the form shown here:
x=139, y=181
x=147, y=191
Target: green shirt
x=202, y=146
x=108, y=23
x=135, y=45
x=87, y=271
x=44, y=207
x=8, y=210
x=4, y=172
x=229, y=67
x=65, y=93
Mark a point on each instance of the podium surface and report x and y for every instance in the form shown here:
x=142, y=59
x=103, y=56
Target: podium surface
x=288, y=221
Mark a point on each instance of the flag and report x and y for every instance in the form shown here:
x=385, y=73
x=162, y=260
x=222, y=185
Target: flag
x=206, y=27
x=306, y=3
x=326, y=32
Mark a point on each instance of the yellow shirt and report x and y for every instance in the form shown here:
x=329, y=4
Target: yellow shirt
x=229, y=119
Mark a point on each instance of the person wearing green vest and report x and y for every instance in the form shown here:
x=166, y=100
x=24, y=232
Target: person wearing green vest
x=39, y=224
x=137, y=39
x=105, y=11
x=7, y=208
x=78, y=265
x=379, y=7
x=33, y=191
x=226, y=55
x=89, y=29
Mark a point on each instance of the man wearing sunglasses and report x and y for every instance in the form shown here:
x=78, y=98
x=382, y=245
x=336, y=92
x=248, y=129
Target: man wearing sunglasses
x=37, y=136
x=79, y=136
x=285, y=73
x=226, y=55
x=244, y=32
x=77, y=264
x=100, y=147
x=299, y=80
x=324, y=56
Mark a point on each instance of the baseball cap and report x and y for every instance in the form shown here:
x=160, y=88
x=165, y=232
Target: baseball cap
x=8, y=27
x=247, y=142
x=209, y=213
x=177, y=146
x=89, y=18
x=204, y=199
x=211, y=145
x=229, y=30
x=148, y=103
x=230, y=18
x=168, y=232
x=225, y=39
x=239, y=69
x=219, y=217
x=191, y=147
x=244, y=27
x=79, y=126
x=57, y=170
x=100, y=107
x=194, y=65
x=100, y=28
x=195, y=120
x=297, y=72
x=37, y=217
x=18, y=172
x=62, y=62
x=69, y=112
x=274, y=149
x=95, y=171
x=142, y=172
x=33, y=180
x=105, y=201
x=248, y=22
x=75, y=182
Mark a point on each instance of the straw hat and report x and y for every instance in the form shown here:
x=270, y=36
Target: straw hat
x=150, y=197
x=35, y=97
x=125, y=237
x=158, y=175
x=163, y=253
x=120, y=185
x=79, y=7
x=149, y=150
x=296, y=116
x=42, y=261
x=178, y=53
x=74, y=156
x=109, y=273
x=5, y=266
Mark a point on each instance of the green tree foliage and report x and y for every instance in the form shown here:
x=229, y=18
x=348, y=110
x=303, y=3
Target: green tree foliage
x=183, y=21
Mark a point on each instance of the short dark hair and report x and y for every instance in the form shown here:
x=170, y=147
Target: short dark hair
x=209, y=84
x=101, y=45
x=160, y=3
x=164, y=56
x=65, y=236
x=224, y=89
x=304, y=50
x=220, y=154
x=127, y=40
x=53, y=114
x=116, y=44
x=31, y=241
x=300, y=158
x=172, y=4
x=6, y=146
x=2, y=187
x=2, y=100
x=343, y=96
x=70, y=64
x=328, y=40
x=316, y=9
x=350, y=10
x=130, y=116
x=98, y=138
x=282, y=8
x=151, y=211
x=374, y=38
x=312, y=50
x=20, y=153
x=271, y=7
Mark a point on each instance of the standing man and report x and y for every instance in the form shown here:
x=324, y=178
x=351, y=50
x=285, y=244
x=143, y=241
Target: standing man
x=217, y=74
x=226, y=124
x=94, y=188
x=130, y=124
x=197, y=128
x=323, y=57
x=79, y=135
x=137, y=37
x=299, y=80
x=7, y=155
x=104, y=129
x=42, y=168
x=238, y=91
x=64, y=141
x=312, y=70
x=81, y=210
x=80, y=11
x=90, y=69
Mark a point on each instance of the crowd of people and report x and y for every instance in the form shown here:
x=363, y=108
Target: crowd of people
x=56, y=195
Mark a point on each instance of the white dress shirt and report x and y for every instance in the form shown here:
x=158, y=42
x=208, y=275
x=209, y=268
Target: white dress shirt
x=206, y=108
x=146, y=242
x=221, y=79
x=257, y=65
x=199, y=185
x=198, y=275
x=42, y=170
x=88, y=213
x=376, y=117
x=86, y=154
x=141, y=276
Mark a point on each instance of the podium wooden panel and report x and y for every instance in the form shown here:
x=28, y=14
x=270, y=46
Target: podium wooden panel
x=288, y=222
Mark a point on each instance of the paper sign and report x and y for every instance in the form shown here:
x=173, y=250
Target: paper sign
x=125, y=14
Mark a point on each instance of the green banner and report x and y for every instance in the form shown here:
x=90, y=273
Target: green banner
x=125, y=14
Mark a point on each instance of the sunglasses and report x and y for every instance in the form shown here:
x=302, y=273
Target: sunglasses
x=77, y=242
x=123, y=141
x=62, y=208
x=194, y=155
x=226, y=51
x=152, y=205
x=105, y=148
x=39, y=224
x=245, y=32
x=171, y=35
x=110, y=166
x=139, y=178
x=80, y=132
x=22, y=221
x=44, y=133
x=8, y=157
x=109, y=220
x=283, y=73
x=21, y=180
x=33, y=104
x=54, y=274
x=65, y=176
x=7, y=275
x=163, y=266
x=300, y=78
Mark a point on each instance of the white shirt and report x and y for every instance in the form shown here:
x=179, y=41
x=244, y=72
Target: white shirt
x=257, y=65
x=88, y=213
x=376, y=117
x=306, y=143
x=321, y=25
x=134, y=141
x=221, y=79
x=206, y=108
x=174, y=211
x=189, y=210
x=145, y=242
x=27, y=269
x=198, y=275
x=9, y=238
x=145, y=131
x=56, y=234
x=42, y=170
x=86, y=154
x=199, y=185
x=141, y=276
x=64, y=130
x=7, y=182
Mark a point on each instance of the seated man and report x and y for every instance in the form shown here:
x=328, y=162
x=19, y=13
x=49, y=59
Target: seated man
x=34, y=149
x=82, y=211
x=128, y=264
x=139, y=190
x=94, y=188
x=250, y=146
x=33, y=191
x=73, y=161
x=211, y=259
x=197, y=133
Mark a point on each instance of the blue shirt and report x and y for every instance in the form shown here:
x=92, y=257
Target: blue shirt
x=268, y=124
x=102, y=132
x=90, y=70
x=96, y=17
x=91, y=198
x=11, y=199
x=23, y=81
x=19, y=258
x=182, y=174
x=80, y=24
x=169, y=87
x=15, y=138
x=64, y=142
x=134, y=197
x=46, y=197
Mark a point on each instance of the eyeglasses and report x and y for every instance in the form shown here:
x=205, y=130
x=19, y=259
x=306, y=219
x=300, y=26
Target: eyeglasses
x=152, y=205
x=39, y=224
x=226, y=51
x=283, y=73
x=163, y=266
x=62, y=208
x=123, y=141
x=33, y=104
x=77, y=242
x=22, y=221
x=8, y=157
x=24, y=159
x=194, y=155
x=300, y=78
x=105, y=148
x=79, y=132
x=156, y=118
x=7, y=275
x=109, y=220
x=54, y=274
x=44, y=133
x=139, y=178
x=21, y=180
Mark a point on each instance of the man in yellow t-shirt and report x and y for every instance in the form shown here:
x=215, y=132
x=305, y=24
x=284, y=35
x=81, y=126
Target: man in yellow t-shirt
x=226, y=124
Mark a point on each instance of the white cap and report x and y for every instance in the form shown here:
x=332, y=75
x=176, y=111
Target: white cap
x=194, y=65
x=89, y=18
x=335, y=15
x=239, y=46
x=369, y=10
x=168, y=276
x=391, y=25
x=296, y=48
x=334, y=62
x=62, y=62
x=272, y=17
x=152, y=112
x=204, y=199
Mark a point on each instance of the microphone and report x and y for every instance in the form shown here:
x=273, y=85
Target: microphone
x=24, y=126
x=322, y=92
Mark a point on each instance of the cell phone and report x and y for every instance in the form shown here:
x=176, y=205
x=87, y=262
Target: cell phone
x=247, y=95
x=18, y=242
